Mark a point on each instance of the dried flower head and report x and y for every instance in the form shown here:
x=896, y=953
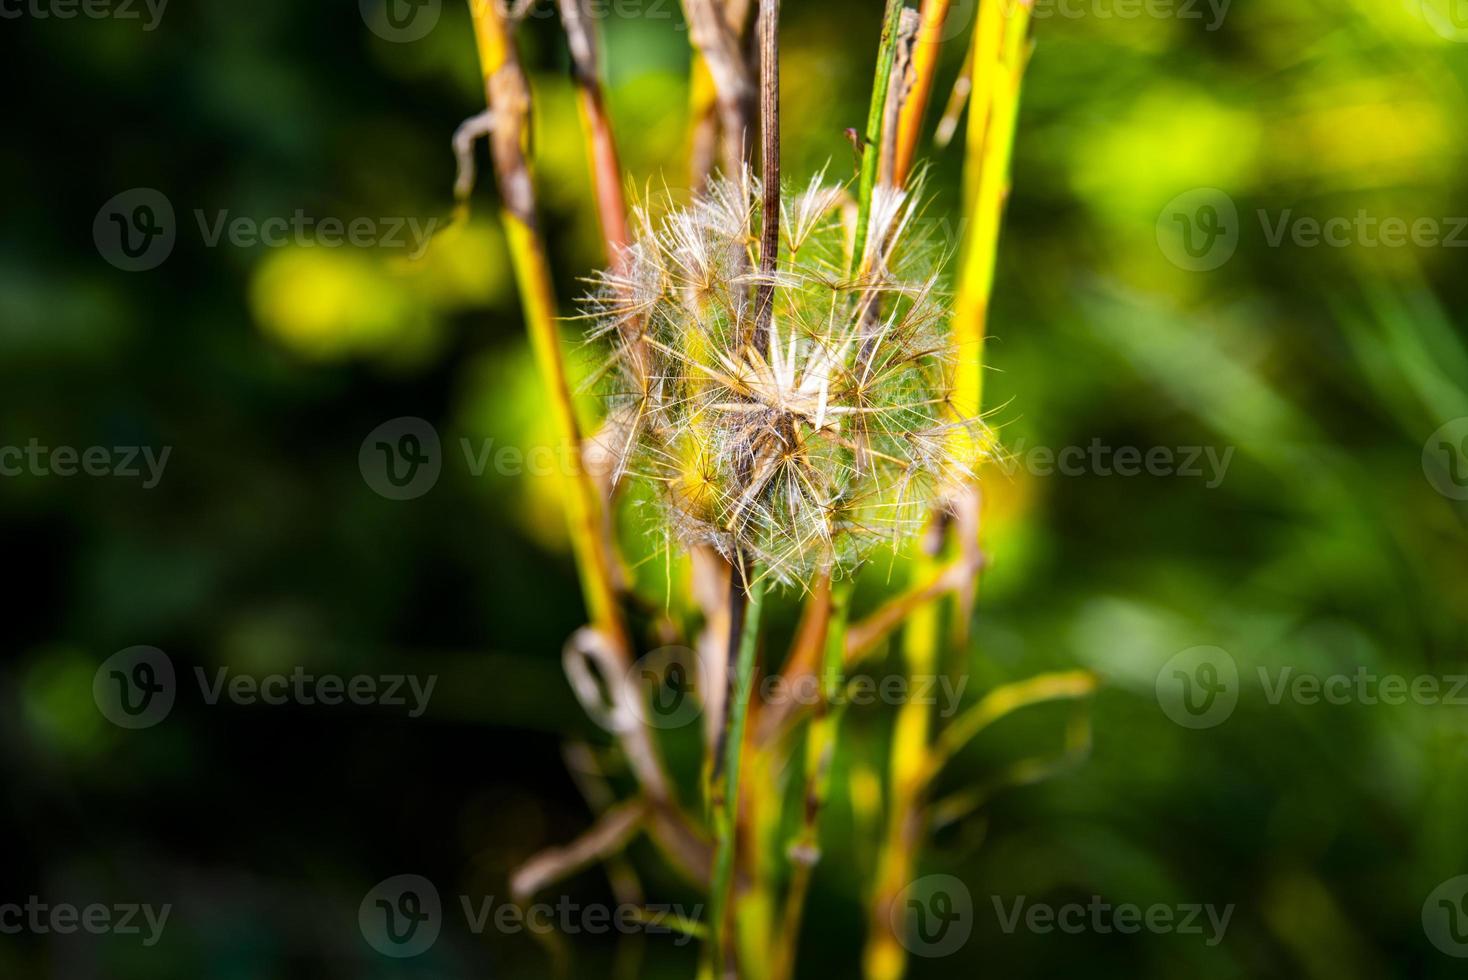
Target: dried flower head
x=803, y=439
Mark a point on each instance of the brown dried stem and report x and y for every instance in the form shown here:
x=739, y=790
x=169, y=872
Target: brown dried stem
x=718, y=42
x=924, y=65
x=606, y=168
x=899, y=88
x=609, y=835
x=769, y=47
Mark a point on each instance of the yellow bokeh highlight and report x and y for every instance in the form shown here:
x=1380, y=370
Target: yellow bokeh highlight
x=1172, y=139
x=325, y=304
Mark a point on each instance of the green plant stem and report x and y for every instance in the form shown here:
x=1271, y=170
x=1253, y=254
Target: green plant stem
x=886, y=54
x=726, y=811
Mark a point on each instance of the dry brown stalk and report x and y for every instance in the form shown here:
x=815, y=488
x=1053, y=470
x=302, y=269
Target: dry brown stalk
x=606, y=168
x=718, y=42
x=924, y=63
x=769, y=48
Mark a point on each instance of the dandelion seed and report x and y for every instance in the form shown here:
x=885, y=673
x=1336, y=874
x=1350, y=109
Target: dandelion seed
x=806, y=452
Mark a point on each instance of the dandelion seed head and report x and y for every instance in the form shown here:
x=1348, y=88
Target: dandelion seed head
x=806, y=447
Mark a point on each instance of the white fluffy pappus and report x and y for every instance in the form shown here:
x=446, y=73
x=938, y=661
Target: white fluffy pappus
x=804, y=445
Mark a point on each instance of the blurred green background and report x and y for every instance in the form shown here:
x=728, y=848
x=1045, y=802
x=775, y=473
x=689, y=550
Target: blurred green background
x=1331, y=542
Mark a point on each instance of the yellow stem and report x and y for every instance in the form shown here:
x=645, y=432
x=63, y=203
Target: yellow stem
x=1000, y=53
x=508, y=95
x=885, y=958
